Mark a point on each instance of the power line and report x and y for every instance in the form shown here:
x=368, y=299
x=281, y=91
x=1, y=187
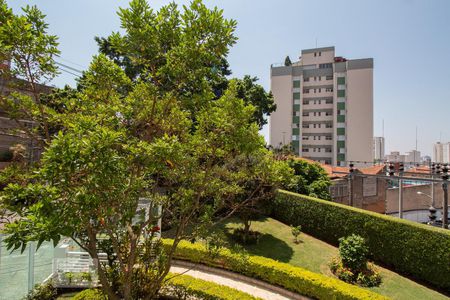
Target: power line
x=68, y=67
x=70, y=62
x=69, y=72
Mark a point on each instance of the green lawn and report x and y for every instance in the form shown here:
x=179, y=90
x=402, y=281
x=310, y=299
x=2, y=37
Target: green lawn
x=313, y=254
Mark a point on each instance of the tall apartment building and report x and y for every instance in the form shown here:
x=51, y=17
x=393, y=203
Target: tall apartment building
x=324, y=107
x=378, y=148
x=441, y=152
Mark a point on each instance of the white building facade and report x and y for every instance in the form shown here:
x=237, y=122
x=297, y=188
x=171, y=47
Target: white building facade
x=378, y=148
x=441, y=152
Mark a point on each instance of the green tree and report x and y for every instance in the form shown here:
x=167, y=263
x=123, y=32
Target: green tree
x=287, y=61
x=248, y=89
x=25, y=43
x=309, y=179
x=261, y=176
x=117, y=142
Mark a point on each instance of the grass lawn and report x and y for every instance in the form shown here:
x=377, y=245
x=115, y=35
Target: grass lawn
x=277, y=243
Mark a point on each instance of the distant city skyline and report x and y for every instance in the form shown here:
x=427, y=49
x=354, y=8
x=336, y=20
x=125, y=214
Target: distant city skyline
x=408, y=40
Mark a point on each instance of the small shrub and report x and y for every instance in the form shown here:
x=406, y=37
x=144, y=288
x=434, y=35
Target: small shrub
x=296, y=230
x=352, y=265
x=90, y=294
x=353, y=252
x=42, y=292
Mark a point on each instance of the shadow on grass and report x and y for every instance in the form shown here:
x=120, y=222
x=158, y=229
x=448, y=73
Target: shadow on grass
x=271, y=247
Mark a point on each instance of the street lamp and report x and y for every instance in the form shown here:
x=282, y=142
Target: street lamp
x=422, y=193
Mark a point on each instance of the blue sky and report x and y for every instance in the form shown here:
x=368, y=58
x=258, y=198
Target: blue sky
x=408, y=39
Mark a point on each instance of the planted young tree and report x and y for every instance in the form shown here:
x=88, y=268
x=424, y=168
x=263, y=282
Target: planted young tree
x=261, y=176
x=162, y=136
x=296, y=231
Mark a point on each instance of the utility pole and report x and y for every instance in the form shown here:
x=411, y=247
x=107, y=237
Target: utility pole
x=445, y=188
x=401, y=168
x=350, y=184
x=433, y=170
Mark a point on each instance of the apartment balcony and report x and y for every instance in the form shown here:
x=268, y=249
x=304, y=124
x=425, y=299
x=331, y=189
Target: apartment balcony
x=321, y=142
x=311, y=129
x=312, y=83
x=316, y=155
x=322, y=118
x=322, y=106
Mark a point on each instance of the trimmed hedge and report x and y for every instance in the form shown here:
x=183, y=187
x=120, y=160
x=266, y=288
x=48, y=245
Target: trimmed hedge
x=193, y=286
x=90, y=294
x=207, y=290
x=291, y=278
x=410, y=248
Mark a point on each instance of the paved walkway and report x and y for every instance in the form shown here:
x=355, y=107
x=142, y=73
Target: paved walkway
x=248, y=285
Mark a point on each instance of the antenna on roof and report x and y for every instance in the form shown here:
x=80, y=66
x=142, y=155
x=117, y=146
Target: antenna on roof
x=382, y=128
x=316, y=42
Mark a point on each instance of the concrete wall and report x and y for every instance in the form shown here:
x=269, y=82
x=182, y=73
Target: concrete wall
x=359, y=118
x=281, y=119
x=374, y=202
x=308, y=58
x=412, y=200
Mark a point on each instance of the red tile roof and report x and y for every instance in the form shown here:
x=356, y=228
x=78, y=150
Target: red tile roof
x=419, y=170
x=373, y=170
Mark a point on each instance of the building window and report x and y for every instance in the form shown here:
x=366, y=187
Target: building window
x=328, y=150
x=329, y=77
x=305, y=150
x=314, y=91
x=328, y=138
x=329, y=101
x=325, y=66
x=306, y=79
x=320, y=89
x=341, y=80
x=296, y=95
x=305, y=138
x=305, y=102
x=305, y=91
x=318, y=149
x=328, y=89
x=296, y=83
x=329, y=126
x=305, y=125
x=306, y=114
x=320, y=53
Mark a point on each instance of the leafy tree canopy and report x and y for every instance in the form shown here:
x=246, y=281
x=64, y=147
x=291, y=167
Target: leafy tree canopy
x=122, y=138
x=309, y=179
